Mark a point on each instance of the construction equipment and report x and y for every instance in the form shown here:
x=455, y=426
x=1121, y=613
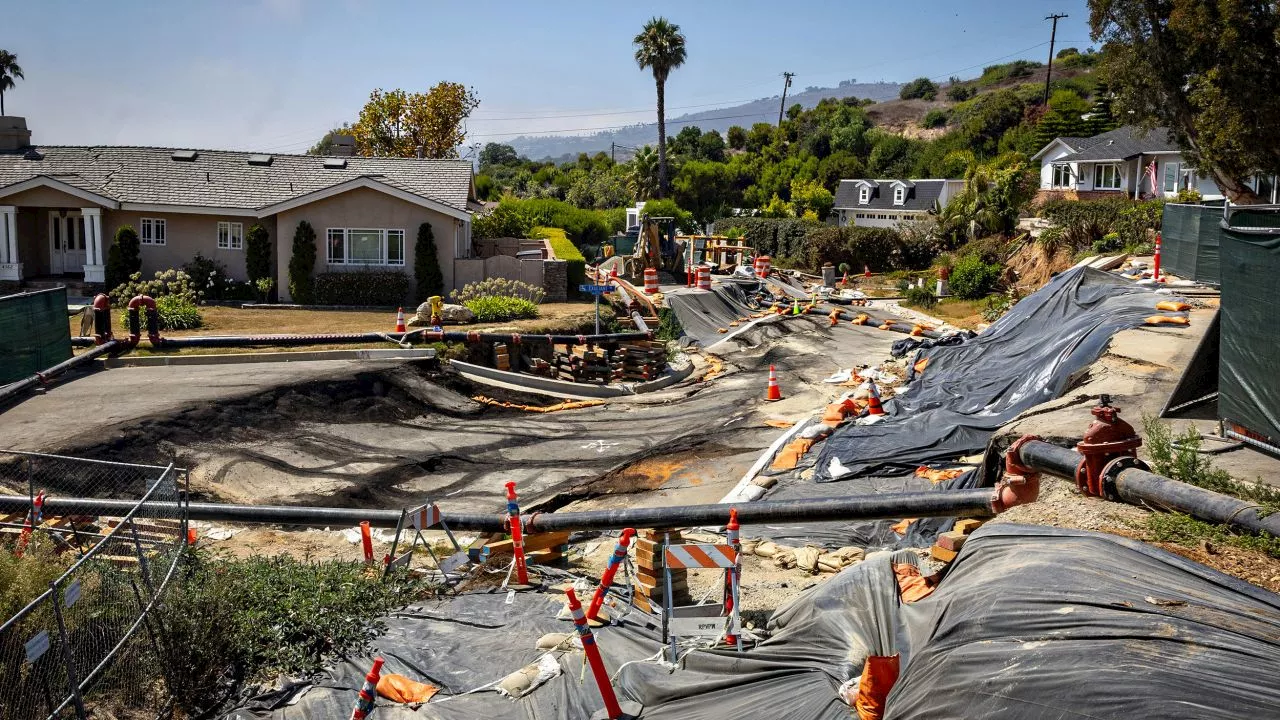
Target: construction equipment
x=655, y=247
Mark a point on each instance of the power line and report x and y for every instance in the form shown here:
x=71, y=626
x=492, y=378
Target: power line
x=613, y=127
x=1053, y=34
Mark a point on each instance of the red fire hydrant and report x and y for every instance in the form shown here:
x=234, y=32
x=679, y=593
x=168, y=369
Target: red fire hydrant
x=1107, y=438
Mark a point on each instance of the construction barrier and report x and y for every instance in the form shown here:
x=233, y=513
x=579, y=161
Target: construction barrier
x=35, y=331
x=650, y=281
x=417, y=519
x=704, y=278
x=763, y=266
x=702, y=620
x=612, y=709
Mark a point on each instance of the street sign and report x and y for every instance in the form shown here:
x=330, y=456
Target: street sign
x=596, y=289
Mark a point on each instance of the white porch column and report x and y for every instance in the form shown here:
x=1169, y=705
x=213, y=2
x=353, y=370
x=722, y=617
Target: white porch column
x=95, y=264
x=10, y=267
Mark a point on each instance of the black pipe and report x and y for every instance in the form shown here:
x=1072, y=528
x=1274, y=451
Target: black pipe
x=1139, y=487
x=422, y=335
x=958, y=503
x=15, y=389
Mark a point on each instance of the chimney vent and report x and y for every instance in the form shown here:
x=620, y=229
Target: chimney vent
x=14, y=134
x=344, y=145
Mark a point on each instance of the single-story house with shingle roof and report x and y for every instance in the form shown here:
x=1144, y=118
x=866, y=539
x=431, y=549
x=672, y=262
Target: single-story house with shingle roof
x=60, y=206
x=886, y=203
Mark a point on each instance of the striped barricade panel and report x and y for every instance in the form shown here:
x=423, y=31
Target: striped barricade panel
x=680, y=557
x=425, y=517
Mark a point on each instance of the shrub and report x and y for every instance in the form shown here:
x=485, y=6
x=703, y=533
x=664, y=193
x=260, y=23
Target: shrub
x=960, y=93
x=997, y=305
x=257, y=253
x=124, y=257
x=576, y=270
x=500, y=308
x=972, y=279
x=498, y=287
x=426, y=264
x=584, y=227
x=879, y=248
x=776, y=237
x=165, y=283
x=374, y=288
x=1081, y=223
x=1107, y=243
x=922, y=88
x=668, y=208
x=208, y=277
x=178, y=313
x=506, y=220
x=921, y=297
x=1188, y=196
x=934, y=118
x=302, y=263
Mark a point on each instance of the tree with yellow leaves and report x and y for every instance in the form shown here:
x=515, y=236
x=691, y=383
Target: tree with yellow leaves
x=399, y=124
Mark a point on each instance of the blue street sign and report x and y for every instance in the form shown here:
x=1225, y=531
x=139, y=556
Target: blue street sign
x=595, y=289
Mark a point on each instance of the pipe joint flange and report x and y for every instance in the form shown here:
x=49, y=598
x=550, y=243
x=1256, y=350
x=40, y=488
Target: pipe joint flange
x=1112, y=471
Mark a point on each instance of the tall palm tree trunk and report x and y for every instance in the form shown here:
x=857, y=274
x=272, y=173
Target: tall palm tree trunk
x=662, y=140
x=1, y=102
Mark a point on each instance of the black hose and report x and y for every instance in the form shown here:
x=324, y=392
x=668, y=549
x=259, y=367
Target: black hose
x=13, y=390
x=959, y=503
x=422, y=335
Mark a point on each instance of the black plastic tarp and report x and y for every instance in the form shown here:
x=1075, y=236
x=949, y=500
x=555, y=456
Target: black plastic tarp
x=1029, y=623
x=1191, y=241
x=968, y=391
x=703, y=314
x=1249, y=364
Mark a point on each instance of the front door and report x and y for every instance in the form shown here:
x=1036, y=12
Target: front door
x=66, y=244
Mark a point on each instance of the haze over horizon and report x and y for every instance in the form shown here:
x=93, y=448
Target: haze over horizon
x=274, y=75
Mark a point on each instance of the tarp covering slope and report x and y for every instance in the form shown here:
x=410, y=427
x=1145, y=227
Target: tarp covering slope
x=1029, y=622
x=969, y=390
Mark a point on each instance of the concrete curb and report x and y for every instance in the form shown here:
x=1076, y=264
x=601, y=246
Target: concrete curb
x=563, y=389
x=246, y=358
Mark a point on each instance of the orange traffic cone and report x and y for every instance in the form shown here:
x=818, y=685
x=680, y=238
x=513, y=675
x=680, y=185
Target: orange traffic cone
x=866, y=271
x=774, y=393
x=873, y=402
x=400, y=321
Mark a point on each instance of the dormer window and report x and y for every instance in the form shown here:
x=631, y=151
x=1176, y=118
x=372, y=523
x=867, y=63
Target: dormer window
x=864, y=195
x=899, y=195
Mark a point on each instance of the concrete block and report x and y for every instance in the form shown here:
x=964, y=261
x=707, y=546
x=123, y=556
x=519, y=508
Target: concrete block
x=942, y=554
x=967, y=525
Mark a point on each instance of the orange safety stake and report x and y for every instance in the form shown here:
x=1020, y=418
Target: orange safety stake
x=731, y=537
x=192, y=536
x=517, y=535
x=774, y=392
x=368, y=693
x=612, y=709
x=366, y=538
x=400, y=327
x=606, y=580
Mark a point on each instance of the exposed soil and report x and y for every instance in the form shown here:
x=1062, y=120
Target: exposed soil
x=1031, y=266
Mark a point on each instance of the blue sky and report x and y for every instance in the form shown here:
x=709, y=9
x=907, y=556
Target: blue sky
x=275, y=74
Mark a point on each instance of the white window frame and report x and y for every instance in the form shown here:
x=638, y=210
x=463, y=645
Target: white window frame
x=234, y=238
x=1099, y=175
x=864, y=195
x=899, y=195
x=1061, y=176
x=384, y=236
x=153, y=231
x=1170, y=174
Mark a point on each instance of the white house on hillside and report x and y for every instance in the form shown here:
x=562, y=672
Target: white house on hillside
x=885, y=203
x=1124, y=161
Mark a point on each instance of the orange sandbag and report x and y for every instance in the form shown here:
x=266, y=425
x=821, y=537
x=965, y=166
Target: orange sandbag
x=912, y=586
x=861, y=319
x=1172, y=305
x=886, y=325
x=917, y=330
x=790, y=455
x=878, y=677
x=779, y=423
x=1167, y=320
x=833, y=415
x=921, y=364
x=936, y=475
x=398, y=688
x=901, y=526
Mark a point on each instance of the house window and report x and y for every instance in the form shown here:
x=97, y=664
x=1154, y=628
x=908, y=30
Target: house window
x=1266, y=187
x=1106, y=177
x=899, y=195
x=230, y=236
x=864, y=194
x=152, y=231
x=1061, y=175
x=349, y=246
x=1170, y=177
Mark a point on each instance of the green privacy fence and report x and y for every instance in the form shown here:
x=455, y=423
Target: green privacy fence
x=1191, y=240
x=34, y=333
x=1249, y=359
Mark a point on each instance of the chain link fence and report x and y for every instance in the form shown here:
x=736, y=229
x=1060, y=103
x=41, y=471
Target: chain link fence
x=81, y=585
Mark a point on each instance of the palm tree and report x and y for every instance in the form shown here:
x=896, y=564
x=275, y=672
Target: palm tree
x=660, y=48
x=641, y=175
x=9, y=69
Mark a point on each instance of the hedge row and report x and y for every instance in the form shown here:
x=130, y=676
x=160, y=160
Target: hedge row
x=563, y=247
x=362, y=287
x=778, y=237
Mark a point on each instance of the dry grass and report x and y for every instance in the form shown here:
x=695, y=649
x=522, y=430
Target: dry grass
x=961, y=313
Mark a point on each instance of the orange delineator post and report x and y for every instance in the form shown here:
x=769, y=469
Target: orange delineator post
x=593, y=656
x=774, y=392
x=1155, y=271
x=866, y=271
x=366, y=539
x=368, y=693
x=517, y=534
x=400, y=327
x=731, y=536
x=606, y=580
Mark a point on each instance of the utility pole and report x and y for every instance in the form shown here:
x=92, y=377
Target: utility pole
x=783, y=105
x=612, y=147
x=1053, y=35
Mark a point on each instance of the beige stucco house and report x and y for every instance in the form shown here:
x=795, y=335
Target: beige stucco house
x=60, y=206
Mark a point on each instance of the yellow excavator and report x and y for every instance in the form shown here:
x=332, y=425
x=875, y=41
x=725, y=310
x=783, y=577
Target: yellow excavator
x=655, y=247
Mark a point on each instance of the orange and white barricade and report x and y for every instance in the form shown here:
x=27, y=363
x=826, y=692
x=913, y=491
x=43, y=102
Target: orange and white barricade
x=415, y=520
x=704, y=277
x=710, y=620
x=650, y=281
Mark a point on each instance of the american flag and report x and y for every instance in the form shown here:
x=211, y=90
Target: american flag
x=1150, y=173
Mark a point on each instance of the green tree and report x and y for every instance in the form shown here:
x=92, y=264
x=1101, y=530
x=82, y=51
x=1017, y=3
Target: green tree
x=124, y=257
x=495, y=154
x=642, y=176
x=711, y=146
x=301, y=263
x=1202, y=69
x=670, y=208
x=399, y=124
x=9, y=71
x=702, y=187
x=1064, y=118
x=426, y=264
x=922, y=88
x=325, y=145
x=809, y=196
x=660, y=48
x=257, y=253
x=737, y=137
